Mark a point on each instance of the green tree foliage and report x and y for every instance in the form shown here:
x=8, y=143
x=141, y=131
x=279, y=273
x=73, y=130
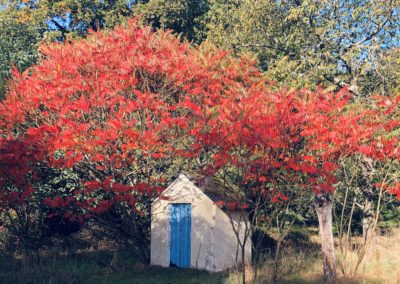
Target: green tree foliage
x=18, y=45
x=307, y=42
x=24, y=23
x=181, y=16
x=385, y=78
x=84, y=15
x=73, y=17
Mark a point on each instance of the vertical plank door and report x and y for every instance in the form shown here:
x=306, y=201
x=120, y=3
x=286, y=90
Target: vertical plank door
x=180, y=224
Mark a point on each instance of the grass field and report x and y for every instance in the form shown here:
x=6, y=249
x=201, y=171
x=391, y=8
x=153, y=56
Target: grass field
x=98, y=267
x=297, y=265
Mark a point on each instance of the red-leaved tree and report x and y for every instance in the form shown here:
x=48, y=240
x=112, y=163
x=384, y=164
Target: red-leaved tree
x=259, y=140
x=115, y=110
x=125, y=110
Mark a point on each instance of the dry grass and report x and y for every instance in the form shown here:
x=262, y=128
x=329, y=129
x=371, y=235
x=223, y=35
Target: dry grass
x=304, y=264
x=381, y=263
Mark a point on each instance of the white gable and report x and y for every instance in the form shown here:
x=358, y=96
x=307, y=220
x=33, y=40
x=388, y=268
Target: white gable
x=182, y=190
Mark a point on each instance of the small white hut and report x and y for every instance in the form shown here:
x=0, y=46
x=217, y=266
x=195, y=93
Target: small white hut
x=189, y=229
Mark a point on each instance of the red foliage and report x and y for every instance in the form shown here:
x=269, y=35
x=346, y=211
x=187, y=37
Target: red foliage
x=131, y=96
x=107, y=103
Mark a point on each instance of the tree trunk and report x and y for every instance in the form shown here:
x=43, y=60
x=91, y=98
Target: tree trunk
x=276, y=261
x=243, y=265
x=368, y=226
x=323, y=206
x=368, y=190
x=368, y=220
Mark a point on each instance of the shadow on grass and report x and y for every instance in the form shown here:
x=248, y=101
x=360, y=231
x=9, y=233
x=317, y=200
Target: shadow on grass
x=97, y=267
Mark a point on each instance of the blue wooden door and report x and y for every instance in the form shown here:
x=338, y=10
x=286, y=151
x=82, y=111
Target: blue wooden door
x=180, y=222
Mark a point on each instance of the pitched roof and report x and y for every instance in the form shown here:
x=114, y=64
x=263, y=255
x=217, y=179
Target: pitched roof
x=221, y=195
